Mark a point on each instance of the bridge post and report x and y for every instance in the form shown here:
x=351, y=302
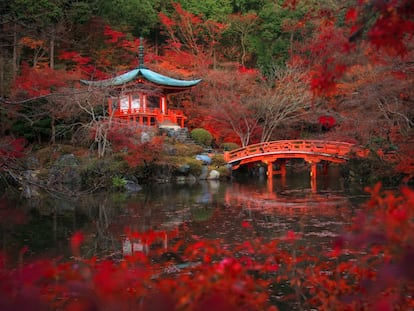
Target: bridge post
x=325, y=168
x=269, y=169
x=270, y=184
x=313, y=175
x=270, y=176
x=282, y=163
x=313, y=170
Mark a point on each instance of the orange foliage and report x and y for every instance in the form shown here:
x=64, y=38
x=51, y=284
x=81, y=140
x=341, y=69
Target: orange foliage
x=119, y=54
x=191, y=38
x=33, y=82
x=31, y=43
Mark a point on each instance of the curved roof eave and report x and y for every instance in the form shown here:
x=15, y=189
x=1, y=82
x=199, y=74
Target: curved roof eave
x=146, y=74
x=164, y=80
x=115, y=81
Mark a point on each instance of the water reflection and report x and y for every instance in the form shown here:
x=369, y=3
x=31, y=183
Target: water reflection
x=210, y=209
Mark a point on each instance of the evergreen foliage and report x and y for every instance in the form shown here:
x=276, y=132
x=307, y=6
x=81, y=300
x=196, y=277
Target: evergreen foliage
x=201, y=136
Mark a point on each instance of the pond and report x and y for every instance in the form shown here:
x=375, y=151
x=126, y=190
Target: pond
x=202, y=210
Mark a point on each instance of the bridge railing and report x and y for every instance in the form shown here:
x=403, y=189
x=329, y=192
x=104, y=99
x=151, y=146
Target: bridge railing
x=330, y=148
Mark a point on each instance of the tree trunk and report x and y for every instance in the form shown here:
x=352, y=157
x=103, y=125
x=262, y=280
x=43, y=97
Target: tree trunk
x=52, y=52
x=2, y=79
x=243, y=56
x=53, y=132
x=15, y=48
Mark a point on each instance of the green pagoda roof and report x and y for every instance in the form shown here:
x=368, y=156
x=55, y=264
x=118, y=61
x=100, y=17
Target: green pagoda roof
x=143, y=73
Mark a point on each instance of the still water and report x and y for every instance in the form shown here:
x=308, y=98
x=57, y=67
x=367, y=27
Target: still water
x=208, y=209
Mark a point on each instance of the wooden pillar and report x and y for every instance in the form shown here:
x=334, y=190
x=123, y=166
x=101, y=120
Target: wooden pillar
x=313, y=170
x=270, y=184
x=163, y=104
x=282, y=163
x=144, y=102
x=165, y=240
x=269, y=176
x=313, y=174
x=110, y=106
x=269, y=170
x=283, y=173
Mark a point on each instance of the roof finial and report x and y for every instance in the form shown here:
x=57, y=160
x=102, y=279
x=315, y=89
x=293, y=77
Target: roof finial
x=141, y=53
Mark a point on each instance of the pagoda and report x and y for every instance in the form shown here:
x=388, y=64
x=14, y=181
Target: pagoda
x=141, y=96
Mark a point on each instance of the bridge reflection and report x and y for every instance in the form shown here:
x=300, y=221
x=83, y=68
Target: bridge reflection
x=291, y=202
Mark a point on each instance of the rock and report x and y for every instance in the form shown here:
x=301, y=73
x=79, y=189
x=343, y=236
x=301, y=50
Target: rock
x=191, y=179
x=204, y=157
x=204, y=173
x=184, y=169
x=145, y=137
x=132, y=186
x=32, y=162
x=213, y=175
x=181, y=180
x=64, y=174
x=29, y=180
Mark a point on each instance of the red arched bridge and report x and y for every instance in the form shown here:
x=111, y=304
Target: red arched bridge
x=312, y=151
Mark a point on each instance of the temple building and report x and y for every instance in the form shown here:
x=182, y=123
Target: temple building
x=141, y=96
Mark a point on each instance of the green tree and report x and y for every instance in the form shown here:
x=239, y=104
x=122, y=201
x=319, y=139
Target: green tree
x=247, y=6
x=272, y=41
x=237, y=37
x=140, y=17
x=48, y=21
x=209, y=9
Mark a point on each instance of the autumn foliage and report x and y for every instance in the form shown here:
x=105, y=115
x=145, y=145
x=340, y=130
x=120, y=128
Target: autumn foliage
x=35, y=82
x=11, y=148
x=136, y=145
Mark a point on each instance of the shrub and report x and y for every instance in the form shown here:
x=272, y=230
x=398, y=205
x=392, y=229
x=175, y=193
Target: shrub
x=98, y=174
x=218, y=160
x=201, y=136
x=195, y=166
x=119, y=183
x=186, y=150
x=224, y=172
x=229, y=146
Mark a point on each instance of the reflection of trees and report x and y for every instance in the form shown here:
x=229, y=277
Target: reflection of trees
x=103, y=218
x=104, y=241
x=152, y=209
x=44, y=227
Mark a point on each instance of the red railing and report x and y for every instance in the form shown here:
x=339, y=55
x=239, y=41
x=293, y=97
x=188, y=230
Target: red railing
x=149, y=116
x=146, y=111
x=328, y=149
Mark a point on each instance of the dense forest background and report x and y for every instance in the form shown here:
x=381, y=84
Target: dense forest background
x=271, y=69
